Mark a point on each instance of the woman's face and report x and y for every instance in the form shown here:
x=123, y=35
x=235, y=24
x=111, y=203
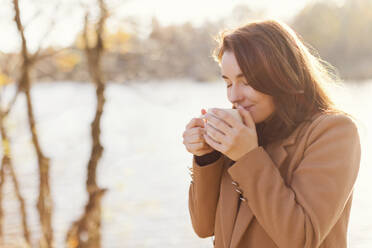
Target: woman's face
x=260, y=105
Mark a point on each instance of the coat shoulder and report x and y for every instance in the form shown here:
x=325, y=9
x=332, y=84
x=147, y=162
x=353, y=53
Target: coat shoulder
x=332, y=122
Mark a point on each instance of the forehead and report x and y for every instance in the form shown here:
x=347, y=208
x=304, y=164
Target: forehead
x=229, y=65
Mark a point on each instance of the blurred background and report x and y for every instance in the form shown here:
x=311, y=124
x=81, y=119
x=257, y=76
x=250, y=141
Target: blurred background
x=95, y=96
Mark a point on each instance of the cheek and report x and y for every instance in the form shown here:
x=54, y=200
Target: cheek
x=252, y=94
x=266, y=102
x=270, y=104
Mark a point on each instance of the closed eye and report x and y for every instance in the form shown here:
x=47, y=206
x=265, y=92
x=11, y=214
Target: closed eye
x=244, y=82
x=228, y=84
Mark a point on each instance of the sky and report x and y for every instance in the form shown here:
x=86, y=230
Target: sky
x=170, y=11
x=69, y=16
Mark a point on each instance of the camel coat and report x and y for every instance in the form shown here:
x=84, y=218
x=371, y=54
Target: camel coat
x=293, y=193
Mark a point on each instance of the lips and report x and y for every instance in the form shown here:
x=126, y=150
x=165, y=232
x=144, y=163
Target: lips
x=249, y=107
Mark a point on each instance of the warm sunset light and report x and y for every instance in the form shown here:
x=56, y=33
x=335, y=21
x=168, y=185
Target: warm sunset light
x=195, y=123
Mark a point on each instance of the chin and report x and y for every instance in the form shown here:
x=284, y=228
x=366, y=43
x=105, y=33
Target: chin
x=258, y=119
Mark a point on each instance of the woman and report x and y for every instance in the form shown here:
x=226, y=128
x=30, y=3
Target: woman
x=285, y=176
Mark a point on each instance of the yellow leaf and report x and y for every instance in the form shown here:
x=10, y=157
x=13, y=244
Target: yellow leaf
x=67, y=62
x=117, y=42
x=6, y=147
x=72, y=243
x=4, y=79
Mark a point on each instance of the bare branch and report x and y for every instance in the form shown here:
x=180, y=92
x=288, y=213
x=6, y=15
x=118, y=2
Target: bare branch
x=90, y=222
x=7, y=164
x=2, y=180
x=85, y=32
x=44, y=203
x=47, y=54
x=20, y=28
x=12, y=102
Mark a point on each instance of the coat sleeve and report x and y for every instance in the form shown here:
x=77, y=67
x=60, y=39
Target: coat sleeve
x=303, y=213
x=203, y=196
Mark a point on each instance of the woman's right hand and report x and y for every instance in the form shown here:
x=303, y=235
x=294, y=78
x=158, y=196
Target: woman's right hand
x=193, y=137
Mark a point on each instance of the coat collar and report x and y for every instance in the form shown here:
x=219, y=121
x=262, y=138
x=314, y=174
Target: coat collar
x=278, y=151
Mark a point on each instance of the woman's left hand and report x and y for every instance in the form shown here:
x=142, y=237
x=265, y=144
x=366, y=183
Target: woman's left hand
x=230, y=136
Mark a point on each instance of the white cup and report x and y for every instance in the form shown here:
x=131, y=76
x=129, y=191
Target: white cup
x=233, y=112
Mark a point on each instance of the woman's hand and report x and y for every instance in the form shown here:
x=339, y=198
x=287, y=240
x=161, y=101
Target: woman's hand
x=193, y=137
x=228, y=135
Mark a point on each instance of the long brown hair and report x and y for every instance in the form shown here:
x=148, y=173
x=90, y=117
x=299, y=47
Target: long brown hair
x=276, y=62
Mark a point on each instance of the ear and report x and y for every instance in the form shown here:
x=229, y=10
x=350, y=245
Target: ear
x=247, y=118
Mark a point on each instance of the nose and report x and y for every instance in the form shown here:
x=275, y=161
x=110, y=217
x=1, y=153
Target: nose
x=236, y=94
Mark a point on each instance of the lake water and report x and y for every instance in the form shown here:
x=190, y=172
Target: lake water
x=144, y=165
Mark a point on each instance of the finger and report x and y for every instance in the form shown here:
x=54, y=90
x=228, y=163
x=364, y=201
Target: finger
x=206, y=149
x=197, y=146
x=196, y=138
x=220, y=125
x=195, y=130
x=226, y=117
x=215, y=145
x=195, y=122
x=247, y=117
x=202, y=116
x=214, y=134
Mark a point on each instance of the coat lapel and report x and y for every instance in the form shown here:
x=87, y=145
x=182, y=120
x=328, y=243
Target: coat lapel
x=278, y=150
x=229, y=204
x=243, y=220
x=278, y=153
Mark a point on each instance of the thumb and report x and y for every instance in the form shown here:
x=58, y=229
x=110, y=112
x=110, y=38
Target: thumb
x=203, y=112
x=247, y=118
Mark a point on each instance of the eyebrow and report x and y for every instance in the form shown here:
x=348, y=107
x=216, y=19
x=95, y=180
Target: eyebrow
x=238, y=76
